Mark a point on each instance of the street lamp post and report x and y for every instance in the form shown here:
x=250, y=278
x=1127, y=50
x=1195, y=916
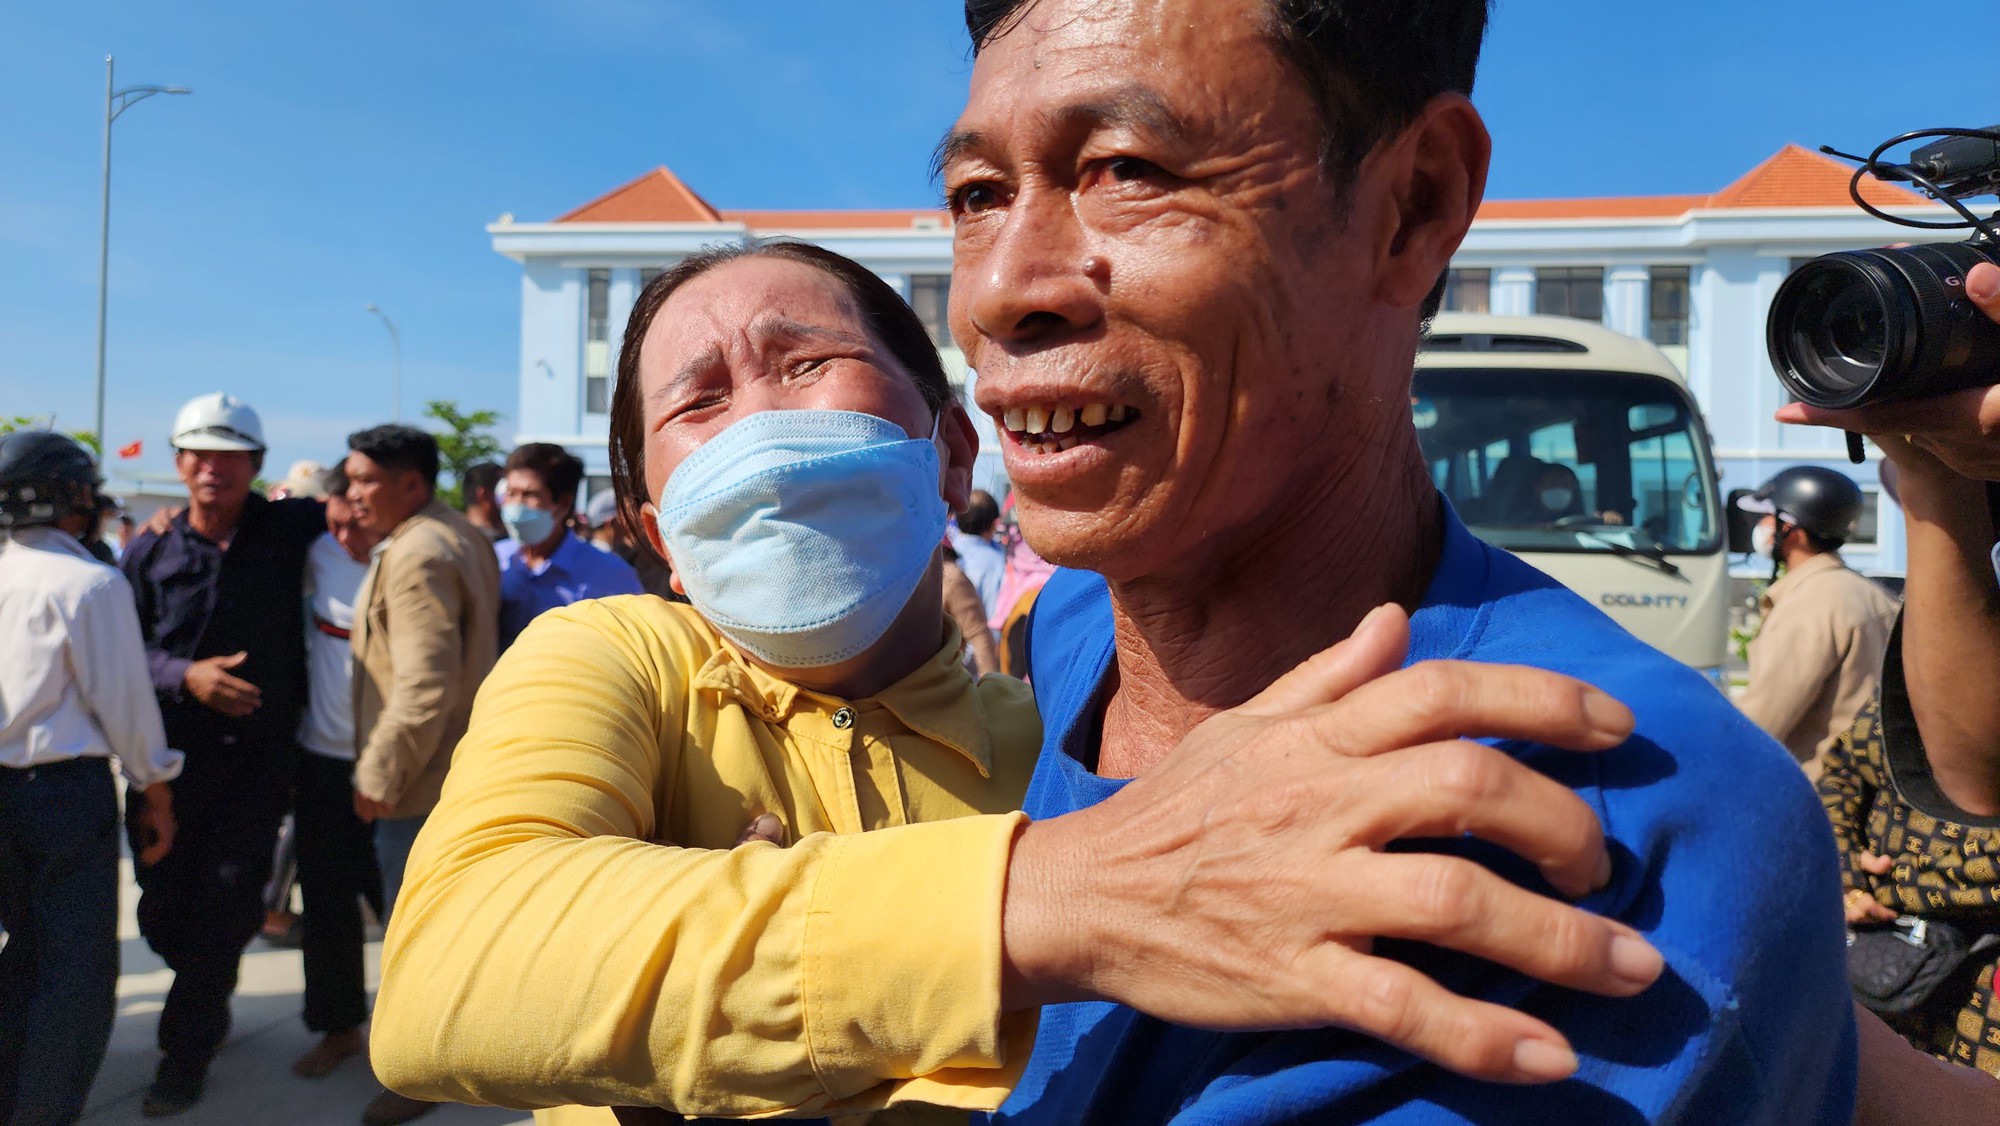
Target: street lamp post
x=396, y=347
x=115, y=103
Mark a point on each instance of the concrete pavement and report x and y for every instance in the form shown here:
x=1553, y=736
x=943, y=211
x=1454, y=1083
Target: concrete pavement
x=251, y=1081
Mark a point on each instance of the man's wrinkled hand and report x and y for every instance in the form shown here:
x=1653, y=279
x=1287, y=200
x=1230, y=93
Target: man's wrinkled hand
x=209, y=681
x=162, y=520
x=1240, y=883
x=1961, y=429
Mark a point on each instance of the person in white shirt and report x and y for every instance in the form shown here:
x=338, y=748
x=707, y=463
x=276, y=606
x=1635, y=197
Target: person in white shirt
x=75, y=692
x=336, y=853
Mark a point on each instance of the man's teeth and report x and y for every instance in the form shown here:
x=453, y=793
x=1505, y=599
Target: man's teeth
x=1060, y=418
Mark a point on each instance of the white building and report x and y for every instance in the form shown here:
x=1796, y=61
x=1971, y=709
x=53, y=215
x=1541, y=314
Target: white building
x=1695, y=274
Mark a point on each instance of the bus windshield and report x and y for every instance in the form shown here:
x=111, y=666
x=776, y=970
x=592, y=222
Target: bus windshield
x=1570, y=461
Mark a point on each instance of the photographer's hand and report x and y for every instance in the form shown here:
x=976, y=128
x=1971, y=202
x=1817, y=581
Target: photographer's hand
x=1962, y=429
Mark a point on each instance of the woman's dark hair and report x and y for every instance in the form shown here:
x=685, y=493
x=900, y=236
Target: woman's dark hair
x=1370, y=65
x=398, y=448
x=560, y=470
x=887, y=317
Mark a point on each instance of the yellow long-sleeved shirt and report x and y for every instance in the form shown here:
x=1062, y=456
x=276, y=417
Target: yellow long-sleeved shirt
x=545, y=953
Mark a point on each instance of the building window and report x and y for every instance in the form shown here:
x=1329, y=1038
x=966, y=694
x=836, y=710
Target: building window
x=647, y=275
x=1668, y=298
x=597, y=342
x=1570, y=291
x=1468, y=291
x=1866, y=525
x=930, y=296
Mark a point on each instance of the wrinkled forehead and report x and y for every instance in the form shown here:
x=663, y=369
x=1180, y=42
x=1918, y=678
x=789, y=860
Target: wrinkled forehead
x=744, y=306
x=1052, y=52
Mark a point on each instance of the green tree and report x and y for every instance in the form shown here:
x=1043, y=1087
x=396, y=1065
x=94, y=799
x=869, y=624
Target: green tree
x=24, y=422
x=465, y=441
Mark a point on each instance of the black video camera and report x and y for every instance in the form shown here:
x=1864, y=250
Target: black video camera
x=1866, y=326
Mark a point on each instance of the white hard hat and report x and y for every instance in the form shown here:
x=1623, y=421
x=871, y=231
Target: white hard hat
x=218, y=422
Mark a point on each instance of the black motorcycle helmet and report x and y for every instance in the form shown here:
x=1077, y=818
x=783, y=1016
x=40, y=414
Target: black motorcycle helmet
x=1822, y=501
x=44, y=477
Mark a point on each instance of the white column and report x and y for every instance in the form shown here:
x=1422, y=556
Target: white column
x=1626, y=289
x=1513, y=292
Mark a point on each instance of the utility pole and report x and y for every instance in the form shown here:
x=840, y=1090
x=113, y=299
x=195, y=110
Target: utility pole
x=115, y=103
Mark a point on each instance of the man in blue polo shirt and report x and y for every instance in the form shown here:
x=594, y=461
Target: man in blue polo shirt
x=543, y=566
x=1195, y=243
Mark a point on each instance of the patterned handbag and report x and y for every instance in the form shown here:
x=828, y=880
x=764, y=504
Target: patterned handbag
x=1895, y=968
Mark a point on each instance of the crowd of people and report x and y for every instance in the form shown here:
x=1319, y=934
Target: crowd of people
x=309, y=656
x=712, y=797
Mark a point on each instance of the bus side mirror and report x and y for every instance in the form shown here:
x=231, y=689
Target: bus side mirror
x=1742, y=525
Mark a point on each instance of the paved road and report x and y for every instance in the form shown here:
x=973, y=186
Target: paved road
x=251, y=1082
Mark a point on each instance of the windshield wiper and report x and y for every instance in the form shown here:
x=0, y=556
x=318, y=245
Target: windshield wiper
x=1656, y=557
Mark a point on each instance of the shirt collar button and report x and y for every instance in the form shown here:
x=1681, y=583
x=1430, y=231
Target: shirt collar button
x=844, y=718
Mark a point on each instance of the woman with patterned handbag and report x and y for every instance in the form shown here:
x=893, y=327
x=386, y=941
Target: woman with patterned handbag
x=1913, y=790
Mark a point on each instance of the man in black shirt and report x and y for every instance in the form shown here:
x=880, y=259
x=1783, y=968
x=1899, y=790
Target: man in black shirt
x=219, y=598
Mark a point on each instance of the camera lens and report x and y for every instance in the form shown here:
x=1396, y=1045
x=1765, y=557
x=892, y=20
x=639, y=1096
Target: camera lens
x=1864, y=326
x=1853, y=327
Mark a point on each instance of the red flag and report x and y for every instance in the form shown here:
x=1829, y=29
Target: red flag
x=132, y=451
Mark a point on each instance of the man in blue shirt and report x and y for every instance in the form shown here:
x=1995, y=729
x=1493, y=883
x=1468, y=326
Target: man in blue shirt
x=982, y=560
x=1195, y=244
x=543, y=566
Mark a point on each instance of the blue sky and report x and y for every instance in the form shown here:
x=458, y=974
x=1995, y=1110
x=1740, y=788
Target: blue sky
x=334, y=155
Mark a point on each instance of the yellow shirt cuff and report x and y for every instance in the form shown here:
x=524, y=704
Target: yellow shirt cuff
x=867, y=1000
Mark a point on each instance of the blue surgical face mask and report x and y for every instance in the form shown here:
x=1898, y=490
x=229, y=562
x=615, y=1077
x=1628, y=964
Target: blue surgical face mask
x=801, y=534
x=528, y=526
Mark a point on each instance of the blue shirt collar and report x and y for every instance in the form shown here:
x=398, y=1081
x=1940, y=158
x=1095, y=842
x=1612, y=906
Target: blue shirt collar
x=562, y=560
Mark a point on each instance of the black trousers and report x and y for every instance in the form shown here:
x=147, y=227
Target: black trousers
x=59, y=906
x=201, y=905
x=336, y=858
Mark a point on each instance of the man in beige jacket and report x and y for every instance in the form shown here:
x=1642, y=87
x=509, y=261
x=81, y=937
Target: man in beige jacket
x=1816, y=659
x=425, y=635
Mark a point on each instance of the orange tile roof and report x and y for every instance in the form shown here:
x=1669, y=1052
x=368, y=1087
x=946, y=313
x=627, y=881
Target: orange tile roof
x=1791, y=177
x=658, y=196
x=1796, y=177
x=1612, y=207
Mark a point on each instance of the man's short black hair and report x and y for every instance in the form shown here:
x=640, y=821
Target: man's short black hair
x=981, y=513
x=1370, y=65
x=560, y=470
x=481, y=478
x=399, y=448
x=334, y=480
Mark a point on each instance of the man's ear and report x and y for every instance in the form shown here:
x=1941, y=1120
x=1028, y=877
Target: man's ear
x=651, y=522
x=1437, y=176
x=961, y=449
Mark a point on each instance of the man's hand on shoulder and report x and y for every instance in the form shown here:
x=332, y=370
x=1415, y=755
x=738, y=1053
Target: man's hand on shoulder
x=1240, y=883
